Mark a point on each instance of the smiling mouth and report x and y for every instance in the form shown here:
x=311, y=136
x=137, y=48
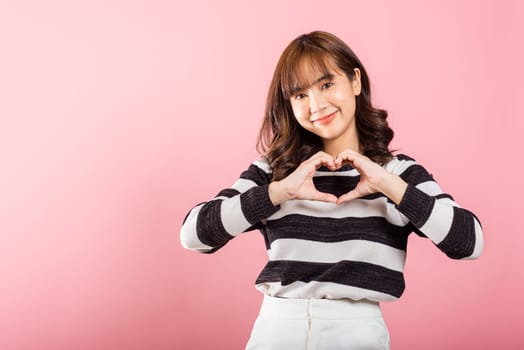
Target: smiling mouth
x=325, y=119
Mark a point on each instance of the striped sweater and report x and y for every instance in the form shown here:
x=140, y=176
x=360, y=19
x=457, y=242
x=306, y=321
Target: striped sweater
x=354, y=250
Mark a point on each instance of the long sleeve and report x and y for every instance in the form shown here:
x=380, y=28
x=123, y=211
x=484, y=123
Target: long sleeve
x=240, y=208
x=434, y=214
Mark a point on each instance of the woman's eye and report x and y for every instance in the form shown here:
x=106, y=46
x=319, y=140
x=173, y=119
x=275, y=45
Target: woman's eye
x=327, y=85
x=299, y=96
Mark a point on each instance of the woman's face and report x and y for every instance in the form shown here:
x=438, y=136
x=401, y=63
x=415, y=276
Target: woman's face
x=327, y=107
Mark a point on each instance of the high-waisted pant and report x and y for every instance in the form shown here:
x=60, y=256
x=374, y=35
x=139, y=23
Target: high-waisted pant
x=318, y=324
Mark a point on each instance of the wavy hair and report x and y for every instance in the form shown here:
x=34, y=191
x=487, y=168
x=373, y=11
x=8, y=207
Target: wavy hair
x=285, y=143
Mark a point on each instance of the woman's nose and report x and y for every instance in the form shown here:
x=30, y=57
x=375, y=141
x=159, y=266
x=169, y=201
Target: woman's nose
x=317, y=102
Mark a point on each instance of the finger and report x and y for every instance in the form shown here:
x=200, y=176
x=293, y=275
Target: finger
x=348, y=160
x=345, y=156
x=348, y=196
x=320, y=154
x=360, y=191
x=348, y=155
x=323, y=159
x=324, y=197
x=355, y=159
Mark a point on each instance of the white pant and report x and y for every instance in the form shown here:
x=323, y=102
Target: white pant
x=319, y=324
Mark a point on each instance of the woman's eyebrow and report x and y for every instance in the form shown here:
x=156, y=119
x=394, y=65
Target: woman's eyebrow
x=327, y=76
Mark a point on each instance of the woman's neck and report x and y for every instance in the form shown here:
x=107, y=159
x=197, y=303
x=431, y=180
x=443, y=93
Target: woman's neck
x=334, y=147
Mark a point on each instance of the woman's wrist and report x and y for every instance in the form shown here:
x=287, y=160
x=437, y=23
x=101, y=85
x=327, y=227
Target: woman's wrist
x=276, y=194
x=393, y=187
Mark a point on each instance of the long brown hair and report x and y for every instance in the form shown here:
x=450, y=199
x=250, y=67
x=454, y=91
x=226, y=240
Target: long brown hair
x=282, y=140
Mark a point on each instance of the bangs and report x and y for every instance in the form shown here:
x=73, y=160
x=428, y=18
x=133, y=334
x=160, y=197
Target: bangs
x=302, y=69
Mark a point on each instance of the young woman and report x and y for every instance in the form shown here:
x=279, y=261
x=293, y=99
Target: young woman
x=333, y=203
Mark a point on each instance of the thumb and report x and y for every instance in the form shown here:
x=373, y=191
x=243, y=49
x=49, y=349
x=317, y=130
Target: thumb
x=346, y=197
x=324, y=197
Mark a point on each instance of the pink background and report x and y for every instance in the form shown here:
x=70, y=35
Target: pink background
x=117, y=117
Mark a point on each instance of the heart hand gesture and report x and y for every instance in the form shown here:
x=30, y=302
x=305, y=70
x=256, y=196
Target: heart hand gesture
x=373, y=178
x=372, y=175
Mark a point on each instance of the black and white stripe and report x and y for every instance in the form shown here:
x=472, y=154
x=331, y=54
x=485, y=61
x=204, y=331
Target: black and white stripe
x=357, y=274
x=354, y=250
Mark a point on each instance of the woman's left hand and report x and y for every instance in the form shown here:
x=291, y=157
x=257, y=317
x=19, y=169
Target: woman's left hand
x=372, y=175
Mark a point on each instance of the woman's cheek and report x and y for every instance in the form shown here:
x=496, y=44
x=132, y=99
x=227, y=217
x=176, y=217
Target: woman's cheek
x=299, y=115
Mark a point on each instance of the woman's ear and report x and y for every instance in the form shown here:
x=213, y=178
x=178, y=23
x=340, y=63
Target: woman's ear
x=355, y=83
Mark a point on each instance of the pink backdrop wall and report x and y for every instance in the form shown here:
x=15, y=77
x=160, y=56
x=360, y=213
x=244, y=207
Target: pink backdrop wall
x=110, y=112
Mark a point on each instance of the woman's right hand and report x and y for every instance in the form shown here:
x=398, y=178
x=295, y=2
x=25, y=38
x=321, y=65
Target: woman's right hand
x=299, y=184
